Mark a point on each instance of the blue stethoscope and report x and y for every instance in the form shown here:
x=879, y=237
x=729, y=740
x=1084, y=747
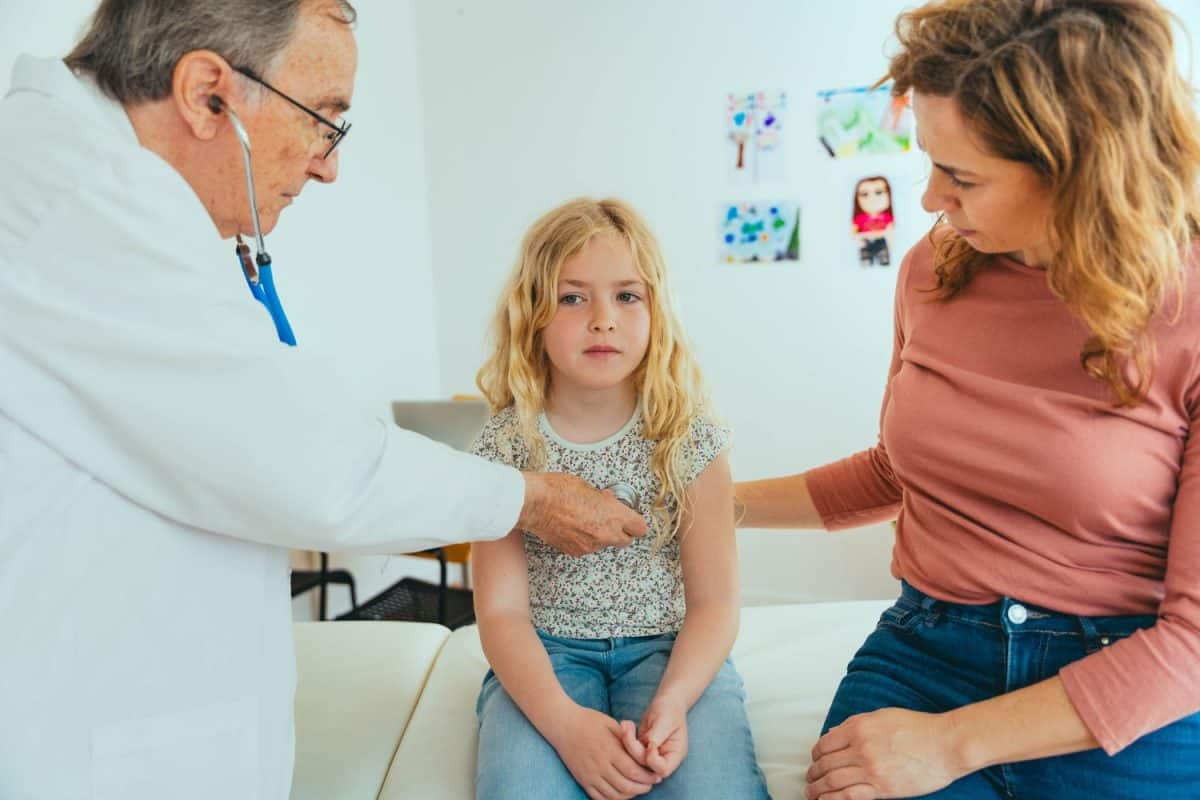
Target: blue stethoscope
x=258, y=272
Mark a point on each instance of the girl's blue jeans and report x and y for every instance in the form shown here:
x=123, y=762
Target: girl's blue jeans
x=617, y=677
x=927, y=655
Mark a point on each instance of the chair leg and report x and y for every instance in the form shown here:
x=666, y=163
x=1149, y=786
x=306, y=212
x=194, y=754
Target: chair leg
x=324, y=584
x=442, y=599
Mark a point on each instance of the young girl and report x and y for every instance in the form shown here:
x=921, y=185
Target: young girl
x=590, y=375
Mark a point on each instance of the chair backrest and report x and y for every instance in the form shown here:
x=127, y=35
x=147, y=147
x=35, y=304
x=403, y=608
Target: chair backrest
x=452, y=422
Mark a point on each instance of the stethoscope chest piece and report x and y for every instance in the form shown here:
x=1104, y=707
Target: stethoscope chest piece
x=626, y=494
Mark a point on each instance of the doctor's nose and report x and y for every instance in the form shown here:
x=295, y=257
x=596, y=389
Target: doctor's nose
x=324, y=170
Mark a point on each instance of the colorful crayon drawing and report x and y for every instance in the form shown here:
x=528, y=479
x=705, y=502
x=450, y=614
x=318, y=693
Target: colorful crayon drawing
x=760, y=232
x=864, y=121
x=754, y=128
x=740, y=121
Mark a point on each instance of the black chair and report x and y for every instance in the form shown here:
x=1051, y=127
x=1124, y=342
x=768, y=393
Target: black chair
x=306, y=580
x=412, y=599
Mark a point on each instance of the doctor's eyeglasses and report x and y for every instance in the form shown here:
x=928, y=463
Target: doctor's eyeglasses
x=338, y=130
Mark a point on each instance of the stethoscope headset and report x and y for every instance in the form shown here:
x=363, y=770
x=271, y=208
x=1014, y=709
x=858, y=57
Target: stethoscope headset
x=257, y=271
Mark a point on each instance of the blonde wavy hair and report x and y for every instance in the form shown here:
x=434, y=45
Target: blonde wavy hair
x=671, y=390
x=1087, y=93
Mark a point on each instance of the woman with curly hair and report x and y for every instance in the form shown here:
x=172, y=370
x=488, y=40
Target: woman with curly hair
x=1036, y=446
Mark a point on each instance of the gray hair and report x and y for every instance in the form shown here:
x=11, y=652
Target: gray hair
x=132, y=46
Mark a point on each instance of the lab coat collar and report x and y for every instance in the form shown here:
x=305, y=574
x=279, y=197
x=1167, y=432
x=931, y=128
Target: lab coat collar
x=53, y=78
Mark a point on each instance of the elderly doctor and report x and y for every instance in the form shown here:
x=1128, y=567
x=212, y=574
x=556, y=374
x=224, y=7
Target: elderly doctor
x=160, y=450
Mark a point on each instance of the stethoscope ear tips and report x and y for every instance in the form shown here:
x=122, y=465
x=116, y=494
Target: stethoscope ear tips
x=215, y=104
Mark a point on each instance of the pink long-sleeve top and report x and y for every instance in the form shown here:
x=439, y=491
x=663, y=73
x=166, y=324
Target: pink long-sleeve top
x=1012, y=473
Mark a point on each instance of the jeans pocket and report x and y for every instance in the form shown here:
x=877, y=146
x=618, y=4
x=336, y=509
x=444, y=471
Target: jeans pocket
x=902, y=616
x=1110, y=630
x=1057, y=651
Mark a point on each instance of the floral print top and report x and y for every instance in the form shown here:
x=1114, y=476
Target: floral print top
x=631, y=591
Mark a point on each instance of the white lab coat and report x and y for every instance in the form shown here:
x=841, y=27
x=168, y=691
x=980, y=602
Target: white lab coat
x=160, y=451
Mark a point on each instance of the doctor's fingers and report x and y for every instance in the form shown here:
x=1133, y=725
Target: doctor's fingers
x=633, y=524
x=605, y=522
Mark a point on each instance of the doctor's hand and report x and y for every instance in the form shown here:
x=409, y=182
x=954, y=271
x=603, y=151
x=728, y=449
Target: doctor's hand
x=570, y=515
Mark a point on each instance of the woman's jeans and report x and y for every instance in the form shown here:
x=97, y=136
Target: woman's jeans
x=927, y=655
x=617, y=677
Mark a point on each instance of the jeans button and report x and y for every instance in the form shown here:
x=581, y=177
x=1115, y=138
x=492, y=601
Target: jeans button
x=1017, y=614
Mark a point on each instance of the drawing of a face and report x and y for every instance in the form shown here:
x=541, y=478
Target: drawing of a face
x=873, y=195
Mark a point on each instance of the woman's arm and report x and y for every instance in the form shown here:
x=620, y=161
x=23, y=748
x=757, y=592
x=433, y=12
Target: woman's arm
x=1035, y=722
x=899, y=753
x=776, y=503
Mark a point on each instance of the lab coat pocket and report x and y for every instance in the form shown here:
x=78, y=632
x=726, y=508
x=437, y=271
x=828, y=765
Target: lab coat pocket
x=204, y=752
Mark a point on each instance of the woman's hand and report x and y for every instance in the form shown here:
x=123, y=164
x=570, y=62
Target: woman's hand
x=663, y=733
x=884, y=754
x=591, y=747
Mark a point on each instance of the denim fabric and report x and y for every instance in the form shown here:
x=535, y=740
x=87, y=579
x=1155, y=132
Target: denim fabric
x=927, y=655
x=617, y=677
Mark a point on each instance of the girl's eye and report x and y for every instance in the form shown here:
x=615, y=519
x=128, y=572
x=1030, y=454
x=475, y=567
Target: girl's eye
x=570, y=299
x=960, y=184
x=628, y=297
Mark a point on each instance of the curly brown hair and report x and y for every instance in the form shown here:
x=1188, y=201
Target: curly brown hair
x=1088, y=94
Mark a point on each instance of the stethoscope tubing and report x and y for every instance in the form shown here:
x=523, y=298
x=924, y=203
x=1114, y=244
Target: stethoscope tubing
x=262, y=284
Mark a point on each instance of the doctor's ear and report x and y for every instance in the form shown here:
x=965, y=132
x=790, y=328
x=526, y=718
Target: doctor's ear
x=200, y=81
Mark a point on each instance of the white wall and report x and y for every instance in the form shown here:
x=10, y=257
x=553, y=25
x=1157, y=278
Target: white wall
x=473, y=117
x=43, y=29
x=362, y=285
x=529, y=102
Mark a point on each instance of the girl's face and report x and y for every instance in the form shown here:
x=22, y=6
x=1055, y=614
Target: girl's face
x=601, y=329
x=874, y=197
x=998, y=206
